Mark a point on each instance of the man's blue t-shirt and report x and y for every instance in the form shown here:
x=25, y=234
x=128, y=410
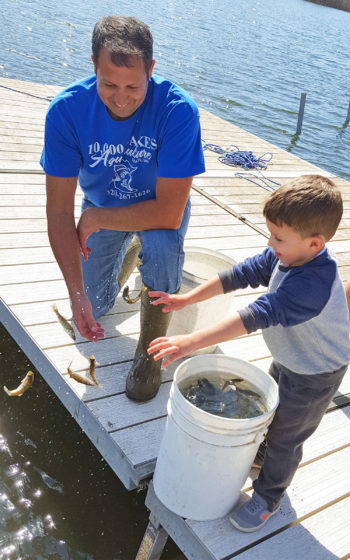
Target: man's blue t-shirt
x=118, y=162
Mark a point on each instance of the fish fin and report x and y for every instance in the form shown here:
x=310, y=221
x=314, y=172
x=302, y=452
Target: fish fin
x=7, y=391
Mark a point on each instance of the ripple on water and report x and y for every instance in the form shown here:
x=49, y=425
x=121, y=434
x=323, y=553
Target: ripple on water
x=27, y=531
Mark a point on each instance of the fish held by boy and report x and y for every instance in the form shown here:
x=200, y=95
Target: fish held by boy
x=25, y=384
x=64, y=322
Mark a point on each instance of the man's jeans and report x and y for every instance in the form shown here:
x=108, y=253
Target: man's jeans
x=162, y=257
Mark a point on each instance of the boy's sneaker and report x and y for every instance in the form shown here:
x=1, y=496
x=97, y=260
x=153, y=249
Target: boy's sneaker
x=252, y=515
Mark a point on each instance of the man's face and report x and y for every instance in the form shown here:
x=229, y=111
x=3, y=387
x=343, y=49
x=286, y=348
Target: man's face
x=121, y=88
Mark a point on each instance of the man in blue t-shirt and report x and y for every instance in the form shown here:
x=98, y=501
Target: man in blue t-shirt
x=133, y=142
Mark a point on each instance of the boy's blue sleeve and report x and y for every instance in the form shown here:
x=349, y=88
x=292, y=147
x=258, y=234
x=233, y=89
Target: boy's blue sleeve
x=298, y=299
x=254, y=271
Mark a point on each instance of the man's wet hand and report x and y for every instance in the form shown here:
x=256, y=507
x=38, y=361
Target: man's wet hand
x=86, y=226
x=84, y=320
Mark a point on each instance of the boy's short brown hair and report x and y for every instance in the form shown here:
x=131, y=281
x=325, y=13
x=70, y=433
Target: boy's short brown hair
x=310, y=204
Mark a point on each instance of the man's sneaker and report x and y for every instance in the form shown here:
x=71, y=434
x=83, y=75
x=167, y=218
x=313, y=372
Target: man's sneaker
x=252, y=515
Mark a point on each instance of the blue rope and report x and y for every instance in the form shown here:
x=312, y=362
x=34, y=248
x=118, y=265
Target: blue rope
x=236, y=157
x=260, y=181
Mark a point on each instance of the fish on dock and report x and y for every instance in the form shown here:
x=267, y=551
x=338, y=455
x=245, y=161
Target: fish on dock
x=78, y=377
x=92, y=370
x=25, y=384
x=64, y=322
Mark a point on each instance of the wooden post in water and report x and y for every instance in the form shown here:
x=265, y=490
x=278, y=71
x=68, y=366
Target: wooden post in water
x=347, y=120
x=301, y=112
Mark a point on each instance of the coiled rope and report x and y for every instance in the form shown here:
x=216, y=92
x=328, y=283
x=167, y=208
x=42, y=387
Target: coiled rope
x=235, y=157
x=239, y=158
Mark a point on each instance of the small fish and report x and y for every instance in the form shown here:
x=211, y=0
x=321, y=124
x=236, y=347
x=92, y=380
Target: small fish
x=78, y=377
x=92, y=370
x=231, y=382
x=249, y=393
x=207, y=388
x=64, y=322
x=128, y=299
x=26, y=382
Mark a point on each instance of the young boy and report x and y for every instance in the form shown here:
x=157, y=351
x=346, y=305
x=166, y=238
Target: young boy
x=304, y=321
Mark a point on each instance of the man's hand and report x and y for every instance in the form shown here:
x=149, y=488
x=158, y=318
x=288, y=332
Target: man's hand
x=171, y=302
x=86, y=226
x=174, y=347
x=84, y=320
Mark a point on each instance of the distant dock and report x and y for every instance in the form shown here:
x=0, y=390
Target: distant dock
x=226, y=216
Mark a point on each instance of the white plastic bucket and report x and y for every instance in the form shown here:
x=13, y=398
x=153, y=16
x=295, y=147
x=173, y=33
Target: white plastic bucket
x=201, y=265
x=205, y=459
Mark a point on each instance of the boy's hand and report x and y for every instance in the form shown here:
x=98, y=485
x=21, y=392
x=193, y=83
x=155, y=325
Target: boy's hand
x=171, y=302
x=174, y=347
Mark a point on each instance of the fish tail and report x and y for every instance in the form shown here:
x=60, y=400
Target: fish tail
x=69, y=371
x=130, y=300
x=12, y=393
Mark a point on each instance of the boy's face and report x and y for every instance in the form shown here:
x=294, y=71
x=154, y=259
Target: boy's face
x=290, y=247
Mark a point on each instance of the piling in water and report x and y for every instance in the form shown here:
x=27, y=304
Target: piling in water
x=301, y=113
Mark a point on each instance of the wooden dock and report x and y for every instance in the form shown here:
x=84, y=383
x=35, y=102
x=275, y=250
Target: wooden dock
x=226, y=217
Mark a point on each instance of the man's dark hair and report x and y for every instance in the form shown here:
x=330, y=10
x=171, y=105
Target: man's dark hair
x=125, y=38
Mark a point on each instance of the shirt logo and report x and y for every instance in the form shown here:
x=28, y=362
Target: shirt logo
x=121, y=181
